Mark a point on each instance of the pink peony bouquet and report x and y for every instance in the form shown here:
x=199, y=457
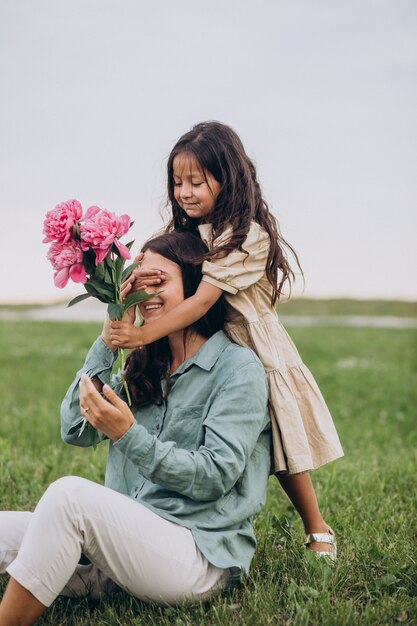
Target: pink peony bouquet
x=87, y=249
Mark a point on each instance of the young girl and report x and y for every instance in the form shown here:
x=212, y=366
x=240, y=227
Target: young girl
x=212, y=188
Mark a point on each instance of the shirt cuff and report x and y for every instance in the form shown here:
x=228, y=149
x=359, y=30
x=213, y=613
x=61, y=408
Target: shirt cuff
x=99, y=361
x=135, y=442
x=217, y=283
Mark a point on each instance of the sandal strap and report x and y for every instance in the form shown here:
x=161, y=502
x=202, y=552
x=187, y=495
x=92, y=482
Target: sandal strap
x=332, y=554
x=320, y=537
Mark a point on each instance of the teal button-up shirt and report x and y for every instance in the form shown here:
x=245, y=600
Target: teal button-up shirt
x=202, y=458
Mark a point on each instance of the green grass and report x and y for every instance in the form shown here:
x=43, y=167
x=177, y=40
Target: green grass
x=345, y=306
x=369, y=377
x=296, y=306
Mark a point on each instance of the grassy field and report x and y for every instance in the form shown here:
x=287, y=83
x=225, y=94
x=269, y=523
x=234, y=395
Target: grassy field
x=369, y=377
x=345, y=306
x=300, y=306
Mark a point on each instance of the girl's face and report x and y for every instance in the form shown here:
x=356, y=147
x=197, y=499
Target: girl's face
x=172, y=290
x=194, y=190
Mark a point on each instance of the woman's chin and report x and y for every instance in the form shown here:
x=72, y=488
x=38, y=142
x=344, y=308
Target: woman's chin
x=151, y=316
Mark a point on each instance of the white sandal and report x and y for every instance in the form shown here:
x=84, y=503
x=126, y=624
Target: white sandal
x=329, y=538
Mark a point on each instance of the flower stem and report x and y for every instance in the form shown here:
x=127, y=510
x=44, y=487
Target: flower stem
x=126, y=388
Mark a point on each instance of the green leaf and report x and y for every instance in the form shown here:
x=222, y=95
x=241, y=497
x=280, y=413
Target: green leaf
x=103, y=288
x=387, y=581
x=118, y=267
x=93, y=292
x=83, y=427
x=108, y=277
x=138, y=296
x=100, y=271
x=76, y=426
x=99, y=290
x=310, y=592
x=115, y=310
x=129, y=269
x=78, y=299
x=109, y=259
x=89, y=261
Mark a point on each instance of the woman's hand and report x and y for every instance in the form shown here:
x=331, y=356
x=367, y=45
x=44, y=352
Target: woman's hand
x=113, y=418
x=106, y=335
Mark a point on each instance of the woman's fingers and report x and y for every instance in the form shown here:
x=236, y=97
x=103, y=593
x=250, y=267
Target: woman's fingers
x=90, y=398
x=93, y=406
x=113, y=397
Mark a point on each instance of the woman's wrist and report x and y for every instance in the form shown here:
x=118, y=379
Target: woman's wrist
x=108, y=343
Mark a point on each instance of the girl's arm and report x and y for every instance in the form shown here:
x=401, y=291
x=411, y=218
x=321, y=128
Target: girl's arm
x=124, y=334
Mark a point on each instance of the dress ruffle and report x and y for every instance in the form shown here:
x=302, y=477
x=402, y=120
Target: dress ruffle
x=303, y=433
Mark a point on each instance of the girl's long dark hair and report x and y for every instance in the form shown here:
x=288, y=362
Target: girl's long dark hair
x=219, y=151
x=148, y=366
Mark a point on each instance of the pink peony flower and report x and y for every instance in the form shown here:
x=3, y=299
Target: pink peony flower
x=59, y=222
x=67, y=261
x=100, y=229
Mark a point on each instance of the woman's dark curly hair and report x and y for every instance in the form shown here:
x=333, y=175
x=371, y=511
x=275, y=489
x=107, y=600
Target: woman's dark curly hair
x=219, y=151
x=148, y=366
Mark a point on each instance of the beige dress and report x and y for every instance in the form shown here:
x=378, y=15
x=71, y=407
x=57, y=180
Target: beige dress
x=303, y=433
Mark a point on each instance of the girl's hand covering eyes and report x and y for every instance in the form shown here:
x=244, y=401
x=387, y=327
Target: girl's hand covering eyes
x=140, y=279
x=144, y=278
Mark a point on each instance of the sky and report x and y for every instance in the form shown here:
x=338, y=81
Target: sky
x=94, y=94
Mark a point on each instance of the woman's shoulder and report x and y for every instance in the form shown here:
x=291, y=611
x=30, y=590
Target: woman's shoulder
x=221, y=350
x=235, y=357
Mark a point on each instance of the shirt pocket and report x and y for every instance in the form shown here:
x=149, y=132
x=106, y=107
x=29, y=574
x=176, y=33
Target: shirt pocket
x=185, y=426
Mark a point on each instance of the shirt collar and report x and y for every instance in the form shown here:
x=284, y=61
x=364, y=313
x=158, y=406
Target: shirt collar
x=207, y=356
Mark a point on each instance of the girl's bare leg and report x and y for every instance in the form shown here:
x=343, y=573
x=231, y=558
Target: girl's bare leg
x=300, y=491
x=18, y=606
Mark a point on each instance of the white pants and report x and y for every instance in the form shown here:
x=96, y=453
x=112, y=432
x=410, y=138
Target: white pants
x=152, y=558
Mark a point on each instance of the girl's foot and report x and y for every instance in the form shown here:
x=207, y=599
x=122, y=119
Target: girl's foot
x=323, y=544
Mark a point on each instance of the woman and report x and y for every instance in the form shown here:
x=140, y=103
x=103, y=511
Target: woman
x=187, y=466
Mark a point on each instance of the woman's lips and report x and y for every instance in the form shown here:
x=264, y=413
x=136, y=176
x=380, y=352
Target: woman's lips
x=152, y=306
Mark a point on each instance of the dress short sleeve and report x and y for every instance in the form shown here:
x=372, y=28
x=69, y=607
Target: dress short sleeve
x=238, y=270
